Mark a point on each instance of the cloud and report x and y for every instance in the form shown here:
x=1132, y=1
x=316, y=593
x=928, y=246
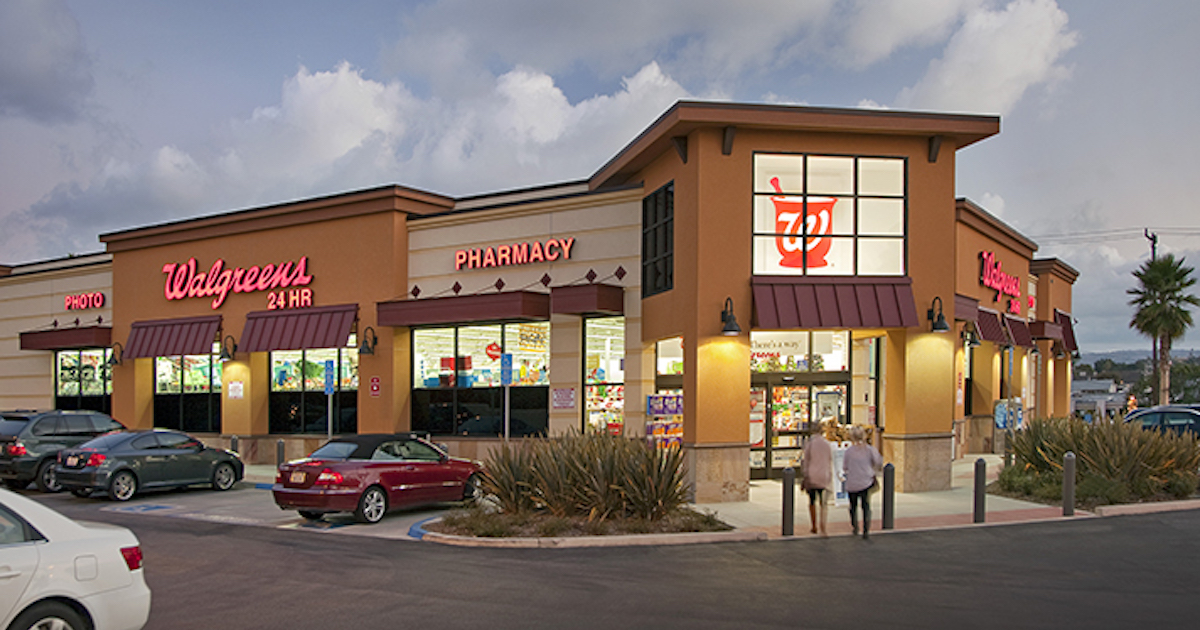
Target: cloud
x=994, y=58
x=875, y=29
x=334, y=131
x=45, y=70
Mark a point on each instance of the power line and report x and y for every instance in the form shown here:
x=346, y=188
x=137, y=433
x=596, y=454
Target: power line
x=1112, y=235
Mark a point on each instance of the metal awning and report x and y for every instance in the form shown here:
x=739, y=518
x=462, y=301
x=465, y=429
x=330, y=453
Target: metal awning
x=172, y=337
x=588, y=299
x=1019, y=331
x=509, y=305
x=825, y=302
x=298, y=329
x=67, y=338
x=1068, y=330
x=990, y=328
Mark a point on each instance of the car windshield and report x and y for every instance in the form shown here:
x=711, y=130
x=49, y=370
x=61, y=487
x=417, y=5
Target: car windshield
x=105, y=442
x=334, y=450
x=12, y=426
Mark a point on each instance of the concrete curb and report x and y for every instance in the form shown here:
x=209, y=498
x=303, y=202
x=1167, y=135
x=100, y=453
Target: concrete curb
x=575, y=542
x=1147, y=508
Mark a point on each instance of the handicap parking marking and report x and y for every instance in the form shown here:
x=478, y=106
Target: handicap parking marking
x=139, y=508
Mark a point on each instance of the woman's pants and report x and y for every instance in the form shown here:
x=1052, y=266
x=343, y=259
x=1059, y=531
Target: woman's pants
x=864, y=497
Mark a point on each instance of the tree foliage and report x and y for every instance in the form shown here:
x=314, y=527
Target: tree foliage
x=1163, y=309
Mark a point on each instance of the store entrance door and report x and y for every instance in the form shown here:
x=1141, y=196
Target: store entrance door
x=784, y=410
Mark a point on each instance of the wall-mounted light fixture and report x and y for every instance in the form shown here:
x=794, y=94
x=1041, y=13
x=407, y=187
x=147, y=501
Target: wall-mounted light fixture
x=729, y=320
x=970, y=338
x=939, y=322
x=369, y=341
x=114, y=358
x=228, y=348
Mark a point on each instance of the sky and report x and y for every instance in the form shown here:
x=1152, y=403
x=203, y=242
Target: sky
x=120, y=114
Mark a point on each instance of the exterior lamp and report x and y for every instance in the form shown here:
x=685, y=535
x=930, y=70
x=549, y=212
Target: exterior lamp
x=731, y=328
x=939, y=323
x=369, y=341
x=972, y=339
x=114, y=359
x=228, y=347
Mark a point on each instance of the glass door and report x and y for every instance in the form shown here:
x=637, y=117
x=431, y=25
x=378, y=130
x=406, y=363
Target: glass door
x=782, y=416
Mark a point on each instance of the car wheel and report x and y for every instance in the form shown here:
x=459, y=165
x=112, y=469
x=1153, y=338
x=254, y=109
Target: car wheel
x=123, y=486
x=56, y=615
x=372, y=505
x=15, y=484
x=47, y=479
x=473, y=489
x=312, y=516
x=223, y=477
x=82, y=493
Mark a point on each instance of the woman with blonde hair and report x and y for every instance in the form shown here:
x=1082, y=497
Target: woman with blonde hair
x=859, y=467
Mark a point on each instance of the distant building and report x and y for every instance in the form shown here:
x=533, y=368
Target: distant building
x=1098, y=397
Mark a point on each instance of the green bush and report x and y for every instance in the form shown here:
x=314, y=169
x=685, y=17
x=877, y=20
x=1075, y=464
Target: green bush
x=595, y=476
x=1115, y=462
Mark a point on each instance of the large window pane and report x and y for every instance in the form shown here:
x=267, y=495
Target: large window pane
x=68, y=373
x=882, y=217
x=830, y=351
x=286, y=371
x=831, y=256
x=479, y=350
x=93, y=373
x=197, y=376
x=778, y=351
x=669, y=356
x=604, y=371
x=530, y=346
x=168, y=375
x=881, y=176
x=881, y=256
x=787, y=171
x=315, y=361
x=830, y=175
x=433, y=357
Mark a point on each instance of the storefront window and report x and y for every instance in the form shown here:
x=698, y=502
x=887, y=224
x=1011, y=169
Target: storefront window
x=458, y=385
x=828, y=215
x=669, y=356
x=298, y=402
x=604, y=373
x=82, y=379
x=187, y=392
x=799, y=351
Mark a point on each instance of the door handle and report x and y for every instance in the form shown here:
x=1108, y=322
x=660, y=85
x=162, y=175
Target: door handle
x=6, y=573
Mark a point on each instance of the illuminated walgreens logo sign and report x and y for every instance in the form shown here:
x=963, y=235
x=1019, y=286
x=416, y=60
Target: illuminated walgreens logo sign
x=993, y=277
x=515, y=254
x=185, y=281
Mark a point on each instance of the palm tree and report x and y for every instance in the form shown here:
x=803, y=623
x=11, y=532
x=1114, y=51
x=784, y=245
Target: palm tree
x=1163, y=312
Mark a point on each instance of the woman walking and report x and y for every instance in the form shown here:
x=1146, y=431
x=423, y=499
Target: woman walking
x=816, y=470
x=859, y=467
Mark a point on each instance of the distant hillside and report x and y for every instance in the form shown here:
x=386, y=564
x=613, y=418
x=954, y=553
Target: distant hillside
x=1131, y=356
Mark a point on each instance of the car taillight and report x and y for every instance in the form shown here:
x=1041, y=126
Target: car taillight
x=16, y=449
x=279, y=476
x=328, y=478
x=95, y=459
x=133, y=557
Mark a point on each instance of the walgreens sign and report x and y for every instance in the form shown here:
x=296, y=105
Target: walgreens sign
x=993, y=277
x=184, y=280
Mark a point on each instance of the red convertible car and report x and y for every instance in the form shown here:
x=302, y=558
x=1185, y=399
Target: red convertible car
x=371, y=474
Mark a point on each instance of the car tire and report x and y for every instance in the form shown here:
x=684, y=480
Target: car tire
x=122, y=486
x=49, y=614
x=15, y=484
x=372, y=505
x=311, y=516
x=473, y=489
x=82, y=493
x=47, y=479
x=224, y=476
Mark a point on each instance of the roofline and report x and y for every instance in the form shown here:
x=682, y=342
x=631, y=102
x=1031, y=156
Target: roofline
x=987, y=220
x=1056, y=266
x=686, y=116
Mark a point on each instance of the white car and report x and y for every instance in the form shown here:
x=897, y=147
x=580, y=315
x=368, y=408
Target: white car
x=60, y=574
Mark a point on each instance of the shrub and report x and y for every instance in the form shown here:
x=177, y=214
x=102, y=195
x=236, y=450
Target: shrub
x=1115, y=462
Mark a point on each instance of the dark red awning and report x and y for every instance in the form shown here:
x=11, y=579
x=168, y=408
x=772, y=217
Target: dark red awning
x=588, y=299
x=1018, y=330
x=172, y=337
x=67, y=338
x=1041, y=329
x=1068, y=329
x=788, y=302
x=510, y=305
x=298, y=329
x=990, y=327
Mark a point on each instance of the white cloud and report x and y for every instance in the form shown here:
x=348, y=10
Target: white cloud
x=877, y=28
x=994, y=58
x=993, y=203
x=45, y=71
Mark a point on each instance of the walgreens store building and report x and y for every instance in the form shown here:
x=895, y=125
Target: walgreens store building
x=734, y=275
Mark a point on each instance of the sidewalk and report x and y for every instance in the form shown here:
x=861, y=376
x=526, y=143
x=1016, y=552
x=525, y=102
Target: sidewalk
x=921, y=510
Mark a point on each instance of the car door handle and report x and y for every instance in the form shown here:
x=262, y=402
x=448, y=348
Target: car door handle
x=410, y=468
x=7, y=572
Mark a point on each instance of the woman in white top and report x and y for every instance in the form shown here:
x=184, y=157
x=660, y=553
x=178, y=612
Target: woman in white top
x=859, y=467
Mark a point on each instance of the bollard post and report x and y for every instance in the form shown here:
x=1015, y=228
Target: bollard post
x=1069, y=484
x=789, y=501
x=980, y=489
x=889, y=496
x=278, y=452
x=233, y=444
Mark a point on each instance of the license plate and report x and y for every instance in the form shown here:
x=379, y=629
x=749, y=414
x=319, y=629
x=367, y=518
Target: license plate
x=72, y=461
x=297, y=477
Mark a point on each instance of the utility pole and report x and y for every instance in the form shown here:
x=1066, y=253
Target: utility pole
x=1153, y=238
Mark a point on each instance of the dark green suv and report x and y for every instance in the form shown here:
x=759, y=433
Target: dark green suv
x=30, y=442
